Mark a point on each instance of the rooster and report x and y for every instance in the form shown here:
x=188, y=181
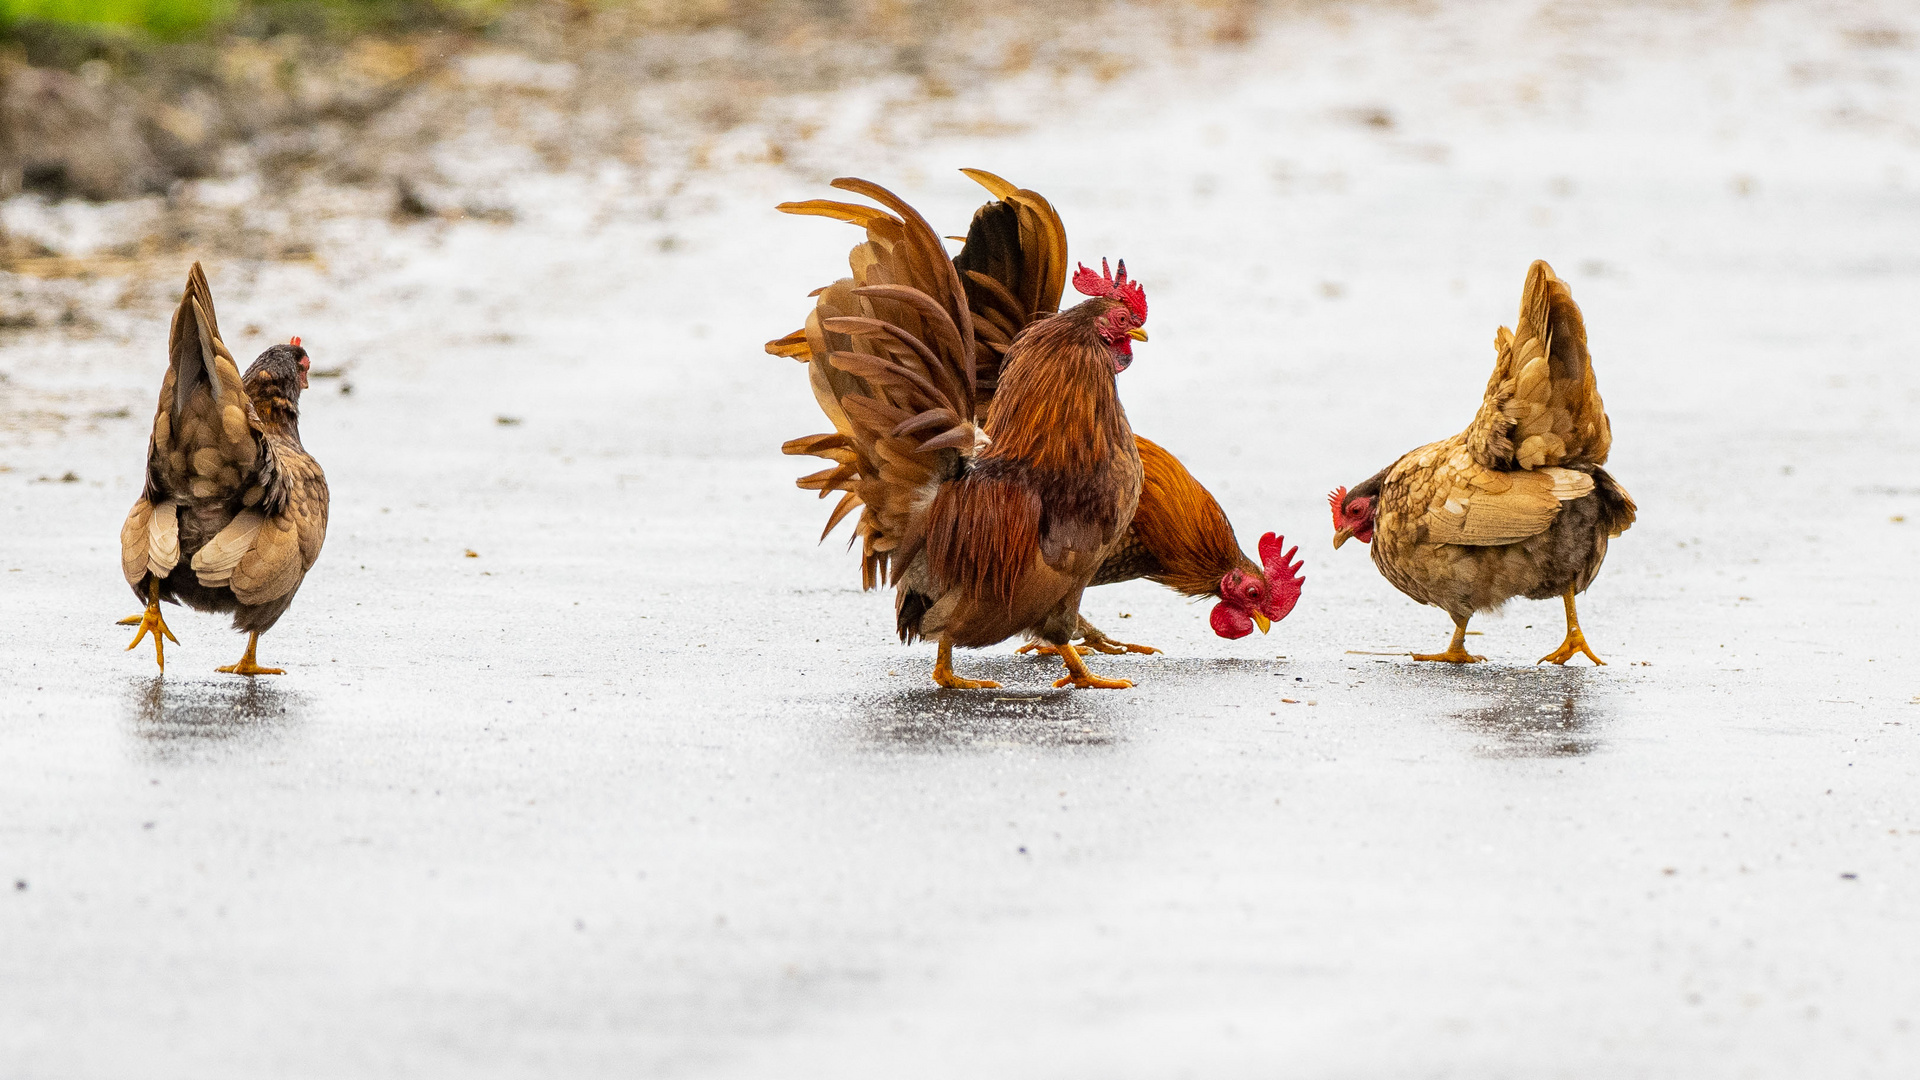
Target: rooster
x=234, y=510
x=1013, y=268
x=1515, y=505
x=982, y=538
x=1181, y=538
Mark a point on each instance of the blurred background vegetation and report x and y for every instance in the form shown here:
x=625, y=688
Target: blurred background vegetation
x=295, y=112
x=134, y=22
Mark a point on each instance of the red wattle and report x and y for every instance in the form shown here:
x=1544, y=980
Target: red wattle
x=1230, y=622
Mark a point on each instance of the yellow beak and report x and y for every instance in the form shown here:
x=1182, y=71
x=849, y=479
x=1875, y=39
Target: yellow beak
x=1340, y=537
x=1265, y=624
x=1137, y=334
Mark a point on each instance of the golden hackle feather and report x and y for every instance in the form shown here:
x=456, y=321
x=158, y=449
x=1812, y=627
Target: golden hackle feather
x=1182, y=524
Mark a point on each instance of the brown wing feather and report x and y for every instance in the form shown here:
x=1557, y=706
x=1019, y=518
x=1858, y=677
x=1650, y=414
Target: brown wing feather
x=133, y=542
x=288, y=542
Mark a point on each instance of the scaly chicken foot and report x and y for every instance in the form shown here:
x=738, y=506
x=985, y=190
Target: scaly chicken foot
x=1574, y=642
x=1038, y=648
x=246, y=666
x=1081, y=679
x=943, y=672
x=1091, y=641
x=1099, y=642
x=1457, y=651
x=150, y=622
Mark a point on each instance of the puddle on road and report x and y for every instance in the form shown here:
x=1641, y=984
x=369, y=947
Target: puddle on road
x=1545, y=712
x=1024, y=712
x=175, y=718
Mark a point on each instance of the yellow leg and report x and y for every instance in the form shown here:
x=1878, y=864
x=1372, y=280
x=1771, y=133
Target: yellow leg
x=943, y=672
x=1574, y=642
x=1457, y=651
x=1114, y=648
x=1080, y=678
x=1042, y=649
x=246, y=666
x=150, y=622
x=1091, y=641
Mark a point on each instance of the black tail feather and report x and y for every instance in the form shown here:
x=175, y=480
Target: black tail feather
x=908, y=613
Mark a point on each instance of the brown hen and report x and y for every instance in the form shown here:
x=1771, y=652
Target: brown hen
x=1517, y=504
x=234, y=510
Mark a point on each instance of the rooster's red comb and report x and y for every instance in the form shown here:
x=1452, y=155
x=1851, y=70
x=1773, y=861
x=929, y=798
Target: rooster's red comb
x=295, y=342
x=1105, y=283
x=1283, y=575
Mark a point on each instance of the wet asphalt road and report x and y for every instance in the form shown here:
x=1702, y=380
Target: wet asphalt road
x=645, y=787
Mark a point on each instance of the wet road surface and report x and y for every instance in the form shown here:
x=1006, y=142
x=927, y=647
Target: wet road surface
x=644, y=787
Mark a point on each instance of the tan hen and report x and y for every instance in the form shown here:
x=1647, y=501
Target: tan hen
x=1515, y=505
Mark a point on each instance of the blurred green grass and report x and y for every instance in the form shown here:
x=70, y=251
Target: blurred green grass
x=172, y=20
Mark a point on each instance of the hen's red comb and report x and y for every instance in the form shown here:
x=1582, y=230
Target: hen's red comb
x=1105, y=283
x=1283, y=576
x=1337, y=498
x=295, y=342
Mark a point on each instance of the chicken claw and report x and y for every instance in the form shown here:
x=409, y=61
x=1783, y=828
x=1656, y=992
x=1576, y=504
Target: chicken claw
x=1575, y=641
x=1042, y=649
x=943, y=673
x=150, y=622
x=246, y=666
x=1115, y=648
x=1457, y=651
x=1091, y=641
x=1081, y=679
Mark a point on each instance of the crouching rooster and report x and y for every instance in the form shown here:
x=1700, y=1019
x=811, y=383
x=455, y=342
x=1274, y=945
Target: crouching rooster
x=1515, y=505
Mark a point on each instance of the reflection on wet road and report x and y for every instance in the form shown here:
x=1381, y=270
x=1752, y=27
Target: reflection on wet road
x=1541, y=712
x=172, y=717
x=1026, y=711
x=933, y=719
